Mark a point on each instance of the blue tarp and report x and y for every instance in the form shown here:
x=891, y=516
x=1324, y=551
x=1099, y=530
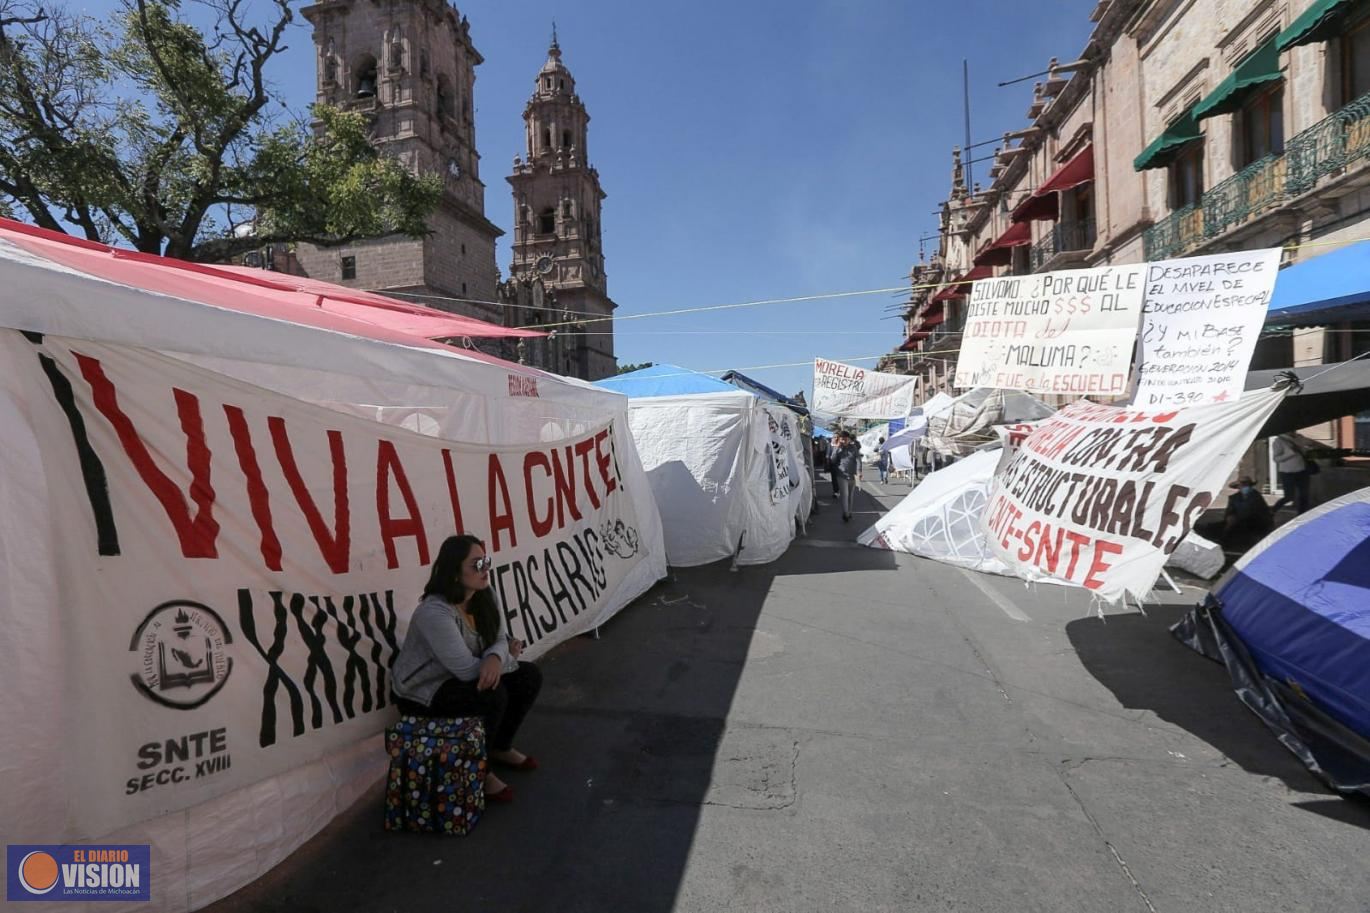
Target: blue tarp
x=664, y=380
x=1300, y=602
x=1330, y=287
x=743, y=382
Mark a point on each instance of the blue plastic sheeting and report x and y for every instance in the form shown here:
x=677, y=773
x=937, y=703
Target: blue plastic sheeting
x=664, y=380
x=1333, y=286
x=821, y=432
x=1301, y=604
x=743, y=382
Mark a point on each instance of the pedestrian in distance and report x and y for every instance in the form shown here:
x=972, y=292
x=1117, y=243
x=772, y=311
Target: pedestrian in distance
x=1295, y=471
x=834, y=449
x=883, y=463
x=457, y=660
x=847, y=472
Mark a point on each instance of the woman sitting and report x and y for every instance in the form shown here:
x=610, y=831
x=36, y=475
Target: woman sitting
x=457, y=660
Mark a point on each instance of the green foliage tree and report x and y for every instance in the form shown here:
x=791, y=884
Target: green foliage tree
x=151, y=132
x=628, y=369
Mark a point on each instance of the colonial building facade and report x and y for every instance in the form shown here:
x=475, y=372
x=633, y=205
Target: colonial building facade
x=410, y=65
x=557, y=240
x=1183, y=127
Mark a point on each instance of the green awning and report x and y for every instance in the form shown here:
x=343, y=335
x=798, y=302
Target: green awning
x=1259, y=69
x=1165, y=147
x=1321, y=21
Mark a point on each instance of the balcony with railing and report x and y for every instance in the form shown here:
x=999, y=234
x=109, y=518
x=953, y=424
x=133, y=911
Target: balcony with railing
x=1330, y=147
x=1064, y=240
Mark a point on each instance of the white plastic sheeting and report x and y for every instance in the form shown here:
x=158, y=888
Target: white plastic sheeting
x=725, y=475
x=207, y=851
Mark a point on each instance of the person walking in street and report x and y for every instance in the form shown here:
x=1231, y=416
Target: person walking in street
x=457, y=660
x=1294, y=470
x=834, y=450
x=847, y=470
x=883, y=462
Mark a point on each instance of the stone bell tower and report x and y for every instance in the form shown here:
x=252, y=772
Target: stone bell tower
x=410, y=66
x=557, y=201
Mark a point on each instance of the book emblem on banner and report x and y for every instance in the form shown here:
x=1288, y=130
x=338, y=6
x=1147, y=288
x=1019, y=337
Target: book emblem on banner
x=182, y=655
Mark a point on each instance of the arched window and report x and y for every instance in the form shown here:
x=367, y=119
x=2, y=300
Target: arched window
x=364, y=77
x=547, y=221
x=446, y=103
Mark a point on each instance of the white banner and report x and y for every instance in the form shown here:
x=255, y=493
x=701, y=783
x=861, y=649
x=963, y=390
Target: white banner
x=239, y=567
x=1200, y=323
x=850, y=392
x=1069, y=332
x=1100, y=495
x=783, y=469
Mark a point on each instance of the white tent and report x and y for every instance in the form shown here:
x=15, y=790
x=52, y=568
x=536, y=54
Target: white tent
x=725, y=466
x=102, y=377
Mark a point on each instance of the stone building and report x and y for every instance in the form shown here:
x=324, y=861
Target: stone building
x=410, y=65
x=1181, y=128
x=557, y=200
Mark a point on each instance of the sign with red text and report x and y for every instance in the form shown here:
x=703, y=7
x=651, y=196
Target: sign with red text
x=1100, y=495
x=847, y=391
x=1200, y=322
x=1069, y=332
x=239, y=566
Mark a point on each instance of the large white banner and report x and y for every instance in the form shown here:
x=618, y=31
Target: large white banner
x=1100, y=495
x=239, y=567
x=851, y=392
x=1200, y=324
x=1069, y=332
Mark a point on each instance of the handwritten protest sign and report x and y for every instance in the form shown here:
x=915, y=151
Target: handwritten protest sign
x=1067, y=332
x=851, y=392
x=1100, y=495
x=1200, y=322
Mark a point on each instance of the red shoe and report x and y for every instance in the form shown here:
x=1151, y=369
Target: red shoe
x=503, y=797
x=528, y=763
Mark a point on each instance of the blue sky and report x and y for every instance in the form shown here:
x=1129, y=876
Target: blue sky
x=754, y=150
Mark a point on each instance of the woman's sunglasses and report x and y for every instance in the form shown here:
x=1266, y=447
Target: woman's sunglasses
x=483, y=564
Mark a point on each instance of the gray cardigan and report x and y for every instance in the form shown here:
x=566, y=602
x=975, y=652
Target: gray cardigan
x=440, y=645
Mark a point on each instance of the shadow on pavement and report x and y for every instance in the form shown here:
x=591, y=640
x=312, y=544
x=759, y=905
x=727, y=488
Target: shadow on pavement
x=1135, y=657
x=628, y=732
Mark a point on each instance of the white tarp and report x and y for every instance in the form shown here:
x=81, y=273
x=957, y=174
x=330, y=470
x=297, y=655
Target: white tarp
x=726, y=472
x=1067, y=332
x=1200, y=323
x=968, y=422
x=870, y=441
x=143, y=429
x=852, y=392
x=1100, y=495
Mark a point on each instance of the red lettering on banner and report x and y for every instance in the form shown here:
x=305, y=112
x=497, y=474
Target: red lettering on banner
x=1048, y=555
x=334, y=546
x=540, y=527
x=603, y=460
x=1076, y=540
x=564, y=480
x=1102, y=549
x=583, y=451
x=257, y=495
x=388, y=467
x=452, y=492
x=197, y=535
x=502, y=513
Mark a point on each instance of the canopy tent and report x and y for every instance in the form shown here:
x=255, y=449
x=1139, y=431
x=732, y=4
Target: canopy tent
x=743, y=382
x=1292, y=622
x=967, y=422
x=1329, y=392
x=1327, y=288
x=726, y=467
x=900, y=444
x=85, y=332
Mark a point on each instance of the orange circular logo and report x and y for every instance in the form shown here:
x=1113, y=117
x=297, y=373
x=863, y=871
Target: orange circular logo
x=38, y=872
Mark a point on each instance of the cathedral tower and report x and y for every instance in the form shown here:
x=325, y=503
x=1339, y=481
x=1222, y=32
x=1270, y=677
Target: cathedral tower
x=557, y=201
x=410, y=66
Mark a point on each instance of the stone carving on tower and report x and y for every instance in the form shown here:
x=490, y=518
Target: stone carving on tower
x=410, y=66
x=557, y=200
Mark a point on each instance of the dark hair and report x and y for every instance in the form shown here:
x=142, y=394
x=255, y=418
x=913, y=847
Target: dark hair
x=445, y=581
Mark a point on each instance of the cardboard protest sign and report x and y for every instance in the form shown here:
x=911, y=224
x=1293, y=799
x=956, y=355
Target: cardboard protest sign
x=1200, y=322
x=239, y=566
x=1067, y=332
x=851, y=392
x=1100, y=495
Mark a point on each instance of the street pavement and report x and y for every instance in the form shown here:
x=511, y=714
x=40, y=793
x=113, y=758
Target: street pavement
x=850, y=729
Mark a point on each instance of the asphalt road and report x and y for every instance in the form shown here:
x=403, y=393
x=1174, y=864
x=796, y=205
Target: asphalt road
x=849, y=729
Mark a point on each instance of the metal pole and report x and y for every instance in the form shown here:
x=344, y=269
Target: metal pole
x=965, y=86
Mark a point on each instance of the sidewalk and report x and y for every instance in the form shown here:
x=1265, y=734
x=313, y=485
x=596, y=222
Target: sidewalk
x=851, y=729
